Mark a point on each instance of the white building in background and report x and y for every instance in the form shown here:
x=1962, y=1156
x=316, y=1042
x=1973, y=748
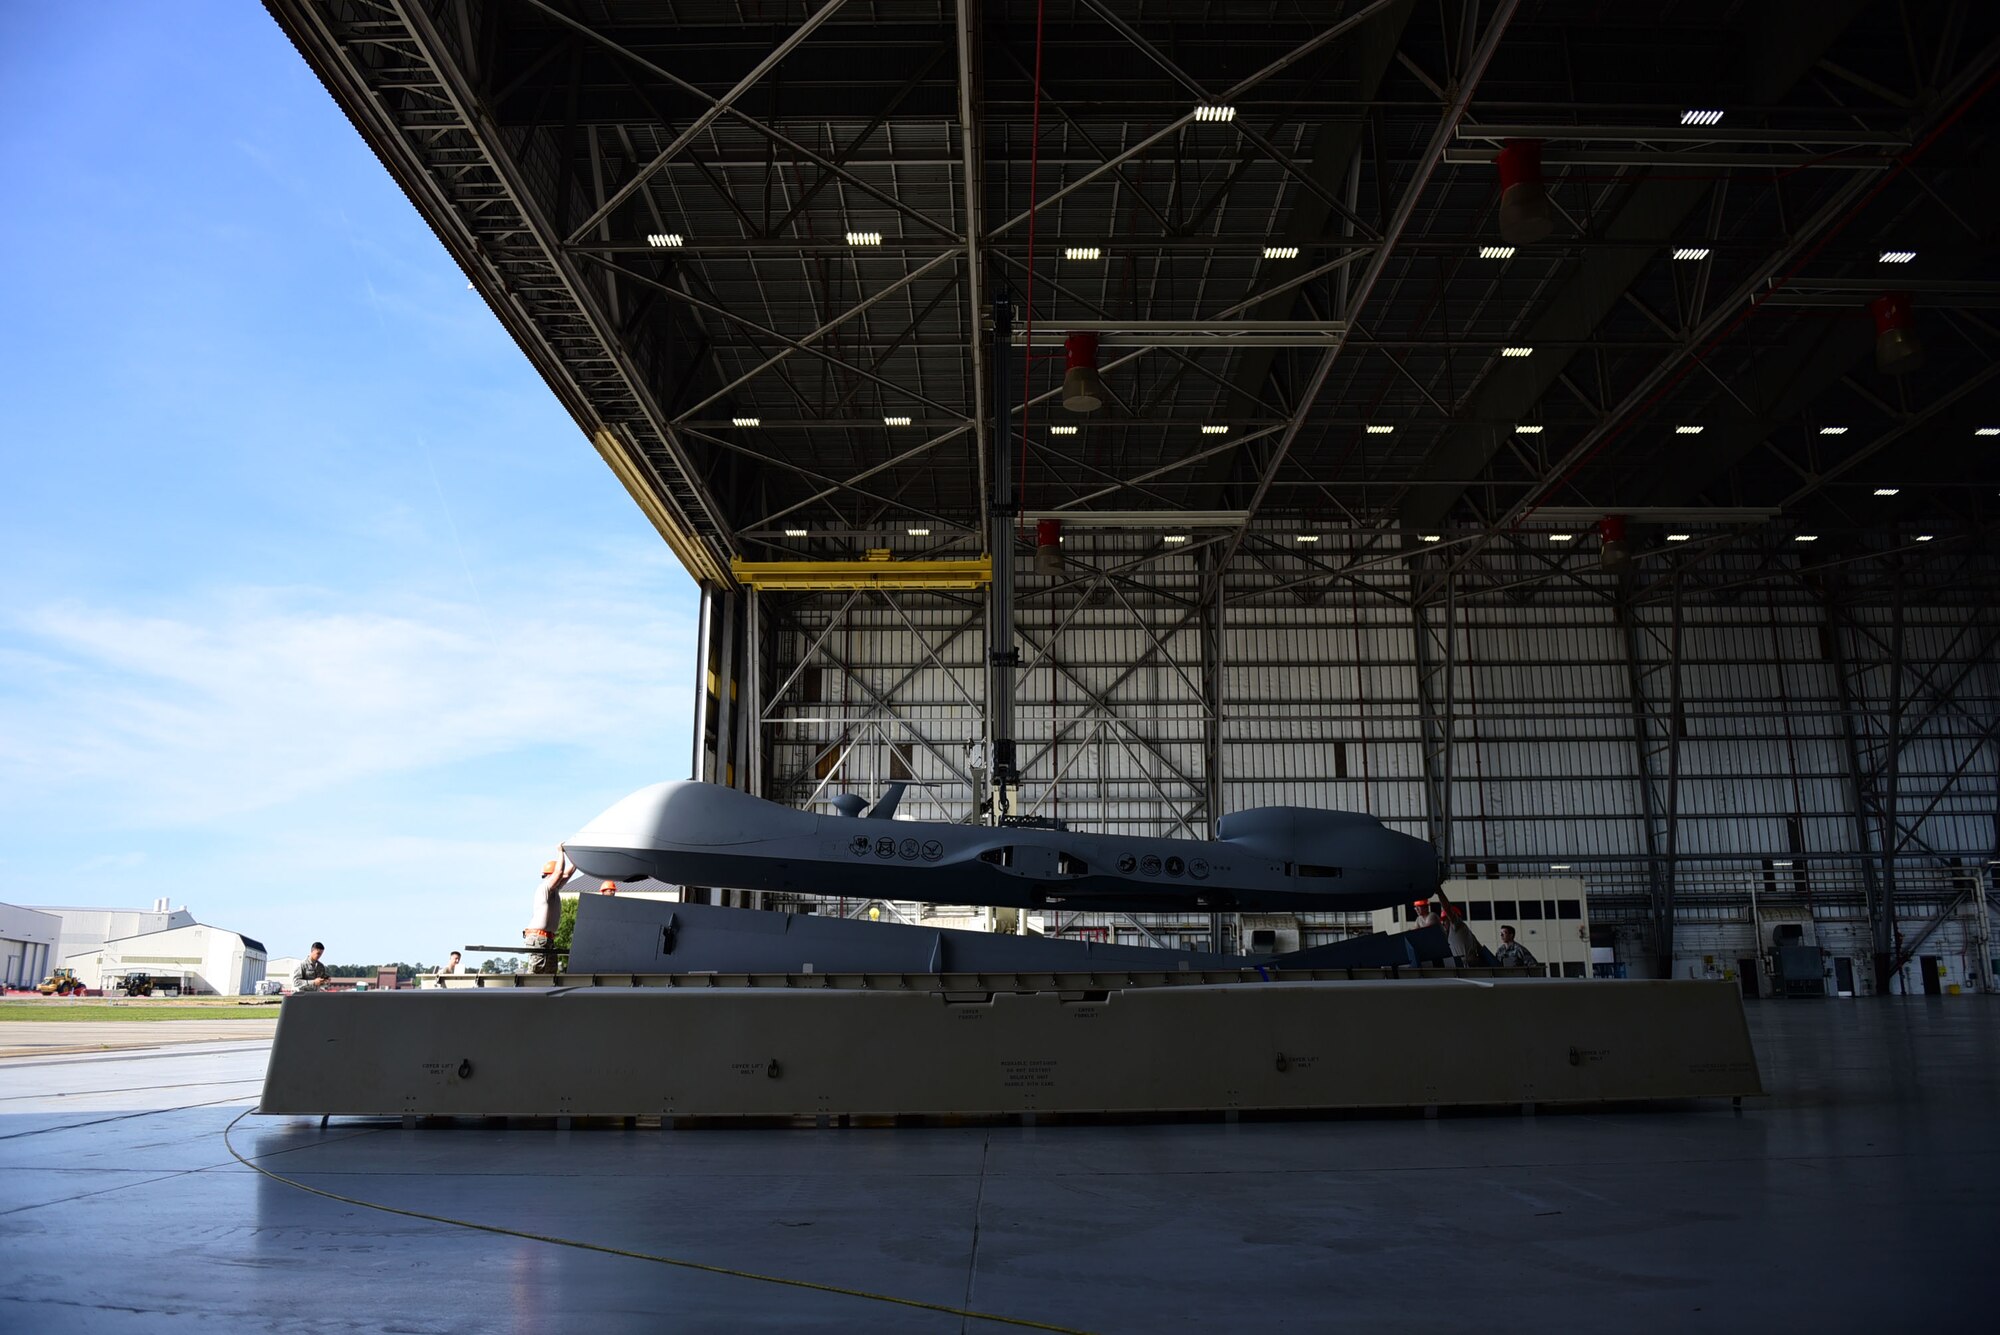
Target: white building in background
x=281, y=966
x=207, y=959
x=87, y=928
x=27, y=944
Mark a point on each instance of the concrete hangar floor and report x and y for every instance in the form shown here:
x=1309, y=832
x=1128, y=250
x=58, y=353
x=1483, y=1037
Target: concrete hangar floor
x=1855, y=1195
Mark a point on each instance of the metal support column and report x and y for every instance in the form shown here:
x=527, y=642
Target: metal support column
x=1001, y=656
x=1434, y=709
x=1656, y=752
x=725, y=693
x=1213, y=665
x=1859, y=784
x=753, y=693
x=698, y=767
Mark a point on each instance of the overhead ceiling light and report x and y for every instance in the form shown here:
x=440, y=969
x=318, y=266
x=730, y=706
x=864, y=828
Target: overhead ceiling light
x=1805, y=537
x=1214, y=429
x=746, y=421
x=664, y=240
x=1679, y=537
x=1496, y=252
x=918, y=532
x=795, y=533
x=1558, y=866
x=1987, y=431
x=1082, y=253
x=1062, y=431
x=1897, y=256
x=1215, y=113
x=1691, y=253
x=1517, y=352
x=1306, y=537
x=864, y=238
x=1887, y=491
x=895, y=421
x=1562, y=537
x=1700, y=117
x=1687, y=431
x=1175, y=538
x=1923, y=537
x=1833, y=431
x=1430, y=537
x=1781, y=862
x=1528, y=429
x=1281, y=252
x=1375, y=429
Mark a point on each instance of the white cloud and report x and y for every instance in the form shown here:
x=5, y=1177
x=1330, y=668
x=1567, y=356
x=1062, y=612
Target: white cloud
x=258, y=696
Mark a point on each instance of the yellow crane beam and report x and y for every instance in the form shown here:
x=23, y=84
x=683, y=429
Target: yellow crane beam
x=802, y=576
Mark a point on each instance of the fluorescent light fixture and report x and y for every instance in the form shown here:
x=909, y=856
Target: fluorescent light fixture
x=1430, y=537
x=1062, y=431
x=1887, y=491
x=1679, y=537
x=1805, y=537
x=1923, y=537
x=918, y=532
x=1496, y=252
x=864, y=238
x=1175, y=538
x=1833, y=431
x=665, y=240
x=895, y=421
x=1306, y=537
x=746, y=421
x=795, y=533
x=1701, y=117
x=1528, y=429
x=1562, y=537
x=1281, y=252
x=1897, y=256
x=1781, y=862
x=1517, y=352
x=1214, y=429
x=1558, y=866
x=1987, y=431
x=1215, y=113
x=1375, y=429
x=1691, y=252
x=1082, y=253
x=1687, y=431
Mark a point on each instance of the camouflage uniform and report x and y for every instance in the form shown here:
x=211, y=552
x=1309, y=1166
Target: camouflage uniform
x=310, y=976
x=1514, y=955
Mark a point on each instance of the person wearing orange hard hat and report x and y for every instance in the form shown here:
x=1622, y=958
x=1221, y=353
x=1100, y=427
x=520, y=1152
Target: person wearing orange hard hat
x=539, y=938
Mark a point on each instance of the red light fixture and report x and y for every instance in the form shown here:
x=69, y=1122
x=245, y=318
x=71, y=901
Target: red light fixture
x=1613, y=550
x=1898, y=350
x=1082, y=391
x=1048, y=547
x=1525, y=214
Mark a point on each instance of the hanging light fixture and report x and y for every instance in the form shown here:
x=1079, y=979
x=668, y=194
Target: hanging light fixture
x=1613, y=550
x=1082, y=391
x=1898, y=350
x=1525, y=215
x=1048, y=547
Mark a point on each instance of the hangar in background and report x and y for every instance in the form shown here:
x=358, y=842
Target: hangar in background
x=1568, y=432
x=211, y=959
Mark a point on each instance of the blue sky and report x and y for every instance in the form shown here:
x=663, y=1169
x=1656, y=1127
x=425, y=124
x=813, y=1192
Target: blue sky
x=317, y=614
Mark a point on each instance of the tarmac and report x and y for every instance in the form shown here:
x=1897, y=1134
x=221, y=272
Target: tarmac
x=137, y=1193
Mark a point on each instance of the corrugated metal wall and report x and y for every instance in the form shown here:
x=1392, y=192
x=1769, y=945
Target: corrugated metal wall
x=1742, y=707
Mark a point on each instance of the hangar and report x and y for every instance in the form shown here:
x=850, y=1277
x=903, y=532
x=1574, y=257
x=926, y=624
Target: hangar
x=1566, y=434
x=1562, y=430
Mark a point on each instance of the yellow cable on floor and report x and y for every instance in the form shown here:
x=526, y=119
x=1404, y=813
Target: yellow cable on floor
x=640, y=1256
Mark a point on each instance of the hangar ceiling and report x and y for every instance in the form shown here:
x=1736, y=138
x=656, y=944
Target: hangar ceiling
x=752, y=245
